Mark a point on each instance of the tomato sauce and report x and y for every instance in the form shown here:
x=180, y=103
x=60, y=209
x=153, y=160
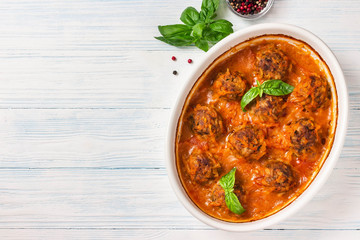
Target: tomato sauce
x=277, y=145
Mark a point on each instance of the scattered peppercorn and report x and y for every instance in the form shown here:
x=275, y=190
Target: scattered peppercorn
x=189, y=60
x=248, y=7
x=173, y=58
x=175, y=72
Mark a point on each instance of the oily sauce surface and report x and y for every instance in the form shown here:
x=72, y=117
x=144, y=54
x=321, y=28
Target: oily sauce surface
x=277, y=145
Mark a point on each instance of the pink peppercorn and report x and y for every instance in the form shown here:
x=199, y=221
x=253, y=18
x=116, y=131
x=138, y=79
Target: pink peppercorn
x=246, y=7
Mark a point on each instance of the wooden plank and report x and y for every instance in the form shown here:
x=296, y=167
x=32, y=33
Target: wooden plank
x=175, y=234
x=64, y=62
x=48, y=138
x=103, y=138
x=67, y=20
x=142, y=199
x=103, y=82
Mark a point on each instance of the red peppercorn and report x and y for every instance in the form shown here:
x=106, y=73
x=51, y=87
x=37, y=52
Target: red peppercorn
x=246, y=7
x=173, y=58
x=189, y=60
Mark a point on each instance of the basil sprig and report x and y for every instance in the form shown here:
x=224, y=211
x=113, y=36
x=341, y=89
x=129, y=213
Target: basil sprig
x=227, y=182
x=199, y=28
x=270, y=87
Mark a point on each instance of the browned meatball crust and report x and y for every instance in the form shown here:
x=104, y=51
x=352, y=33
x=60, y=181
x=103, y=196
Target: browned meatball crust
x=206, y=121
x=269, y=108
x=217, y=194
x=311, y=93
x=202, y=167
x=231, y=86
x=272, y=63
x=248, y=142
x=303, y=135
x=279, y=176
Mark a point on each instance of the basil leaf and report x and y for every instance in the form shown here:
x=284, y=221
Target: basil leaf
x=202, y=44
x=199, y=27
x=190, y=16
x=212, y=36
x=177, y=41
x=222, y=26
x=227, y=181
x=276, y=88
x=249, y=96
x=233, y=203
x=198, y=30
x=208, y=9
x=203, y=14
x=210, y=4
x=216, y=4
x=175, y=30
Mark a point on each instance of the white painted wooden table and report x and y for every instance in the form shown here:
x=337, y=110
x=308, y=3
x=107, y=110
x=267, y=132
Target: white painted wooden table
x=85, y=96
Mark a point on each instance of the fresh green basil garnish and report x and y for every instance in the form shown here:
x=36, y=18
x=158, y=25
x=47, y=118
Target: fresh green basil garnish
x=221, y=26
x=199, y=28
x=190, y=16
x=227, y=182
x=249, y=96
x=232, y=202
x=276, y=88
x=269, y=87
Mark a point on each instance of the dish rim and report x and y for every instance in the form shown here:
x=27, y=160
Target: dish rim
x=227, y=43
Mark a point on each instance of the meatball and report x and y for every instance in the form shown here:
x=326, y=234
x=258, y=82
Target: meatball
x=272, y=63
x=269, y=108
x=248, y=142
x=303, y=135
x=311, y=93
x=206, y=121
x=279, y=176
x=231, y=86
x=202, y=167
x=217, y=194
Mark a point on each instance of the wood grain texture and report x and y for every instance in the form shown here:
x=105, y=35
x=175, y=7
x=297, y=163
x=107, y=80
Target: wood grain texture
x=86, y=94
x=174, y=234
x=114, y=199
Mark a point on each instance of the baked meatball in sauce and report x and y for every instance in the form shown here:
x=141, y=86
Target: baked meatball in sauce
x=269, y=109
x=205, y=121
x=202, y=167
x=277, y=145
x=303, y=135
x=247, y=142
x=217, y=195
x=311, y=93
x=231, y=86
x=279, y=176
x=272, y=63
